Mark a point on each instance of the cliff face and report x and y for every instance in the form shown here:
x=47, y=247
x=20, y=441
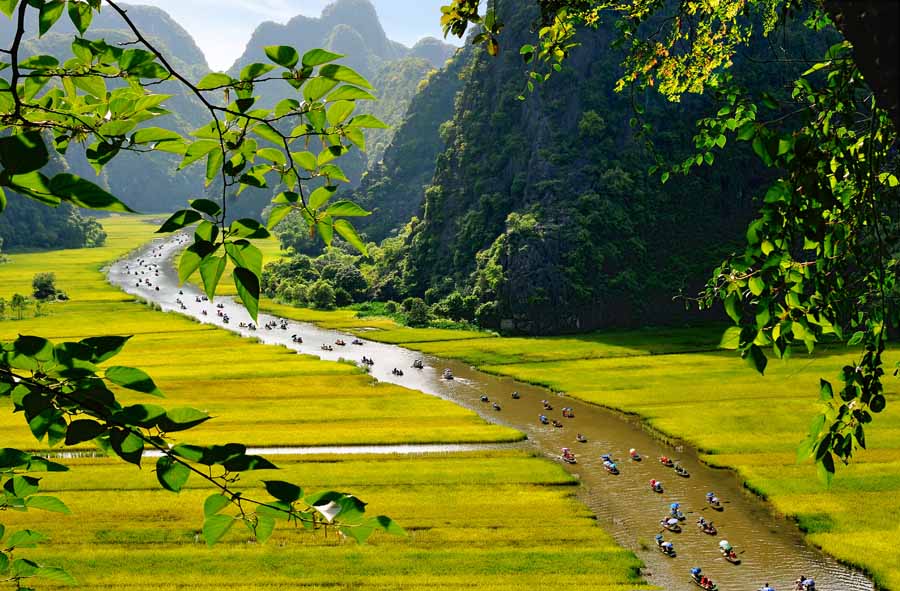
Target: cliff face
x=543, y=208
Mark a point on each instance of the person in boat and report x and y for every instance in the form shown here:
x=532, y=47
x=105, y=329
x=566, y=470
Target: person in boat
x=515, y=395
x=543, y=419
x=656, y=485
x=808, y=584
x=484, y=398
x=633, y=453
x=702, y=523
x=580, y=438
x=767, y=587
x=496, y=406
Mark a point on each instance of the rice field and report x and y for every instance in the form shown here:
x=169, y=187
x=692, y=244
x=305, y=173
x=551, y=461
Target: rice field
x=681, y=385
x=498, y=521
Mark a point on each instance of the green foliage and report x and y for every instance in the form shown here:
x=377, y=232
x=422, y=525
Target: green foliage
x=321, y=295
x=44, y=286
x=417, y=312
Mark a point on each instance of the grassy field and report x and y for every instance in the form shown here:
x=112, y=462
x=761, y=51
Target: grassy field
x=678, y=382
x=487, y=520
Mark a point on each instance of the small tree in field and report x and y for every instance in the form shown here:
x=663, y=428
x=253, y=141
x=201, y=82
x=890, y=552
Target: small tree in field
x=18, y=303
x=44, y=286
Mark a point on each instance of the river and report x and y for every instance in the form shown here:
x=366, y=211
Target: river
x=770, y=547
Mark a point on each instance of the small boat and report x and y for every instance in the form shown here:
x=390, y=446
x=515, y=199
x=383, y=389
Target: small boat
x=340, y=343
x=665, y=547
x=713, y=501
x=496, y=406
x=634, y=455
x=544, y=420
x=611, y=467
x=656, y=486
x=568, y=413
x=567, y=456
x=666, y=461
x=417, y=364
x=728, y=552
x=670, y=524
x=702, y=581
x=681, y=471
x=515, y=396
x=707, y=527
x=557, y=424
x=580, y=438
x=357, y=342
x=484, y=398
x=675, y=511
x=448, y=375
x=805, y=584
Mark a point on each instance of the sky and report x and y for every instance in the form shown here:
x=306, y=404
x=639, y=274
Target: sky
x=222, y=28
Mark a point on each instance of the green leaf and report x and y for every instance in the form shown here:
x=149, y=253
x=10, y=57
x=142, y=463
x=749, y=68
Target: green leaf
x=317, y=57
x=22, y=486
x=215, y=80
x=8, y=6
x=211, y=270
x=172, y=475
x=367, y=121
x=283, y=491
x=216, y=526
x=320, y=197
x=825, y=391
x=283, y=55
x=84, y=193
x=214, y=503
x=348, y=233
x=346, y=209
x=191, y=258
x=198, y=150
x=55, y=573
x=255, y=70
x=245, y=255
x=756, y=358
x=181, y=419
x=47, y=503
x=825, y=469
x=389, y=526
x=132, y=379
x=756, y=285
x=350, y=93
x=25, y=538
x=82, y=430
x=731, y=338
x=316, y=88
x=265, y=525
x=207, y=206
x=80, y=14
x=276, y=214
x=23, y=153
x=306, y=160
x=127, y=445
x=247, y=284
x=340, y=111
x=104, y=348
x=732, y=306
x=878, y=403
x=179, y=220
x=149, y=135
x=247, y=228
x=39, y=62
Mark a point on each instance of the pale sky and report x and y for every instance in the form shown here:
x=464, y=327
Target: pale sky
x=222, y=27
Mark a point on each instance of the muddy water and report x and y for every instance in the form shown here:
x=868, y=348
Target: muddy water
x=771, y=549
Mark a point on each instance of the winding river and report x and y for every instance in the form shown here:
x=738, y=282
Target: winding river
x=770, y=547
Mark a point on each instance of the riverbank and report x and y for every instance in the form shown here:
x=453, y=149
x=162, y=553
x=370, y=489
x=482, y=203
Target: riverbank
x=681, y=386
x=493, y=520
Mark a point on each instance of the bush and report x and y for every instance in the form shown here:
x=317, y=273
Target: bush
x=295, y=293
x=487, y=315
x=44, y=286
x=321, y=295
x=457, y=307
x=417, y=314
x=342, y=297
x=391, y=307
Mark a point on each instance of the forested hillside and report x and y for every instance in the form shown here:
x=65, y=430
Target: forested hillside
x=543, y=208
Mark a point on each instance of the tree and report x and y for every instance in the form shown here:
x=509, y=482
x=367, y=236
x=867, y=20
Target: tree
x=18, y=303
x=321, y=295
x=44, y=286
x=819, y=263
x=2, y=309
x=103, y=96
x=417, y=312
